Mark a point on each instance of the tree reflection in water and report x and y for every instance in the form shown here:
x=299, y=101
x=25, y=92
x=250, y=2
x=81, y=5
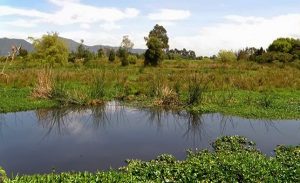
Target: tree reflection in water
x=190, y=123
x=60, y=120
x=193, y=126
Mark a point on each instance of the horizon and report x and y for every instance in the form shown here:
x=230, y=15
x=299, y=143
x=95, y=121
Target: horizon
x=205, y=27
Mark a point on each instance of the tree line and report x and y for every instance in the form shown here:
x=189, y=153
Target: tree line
x=51, y=49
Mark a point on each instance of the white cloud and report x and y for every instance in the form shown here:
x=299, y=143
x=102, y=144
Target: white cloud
x=72, y=12
x=21, y=23
x=7, y=11
x=238, y=32
x=167, y=15
x=85, y=26
x=110, y=26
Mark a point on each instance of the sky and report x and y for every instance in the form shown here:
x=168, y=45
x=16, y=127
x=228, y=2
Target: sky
x=205, y=26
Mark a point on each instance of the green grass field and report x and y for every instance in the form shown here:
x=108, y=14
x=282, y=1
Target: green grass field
x=244, y=89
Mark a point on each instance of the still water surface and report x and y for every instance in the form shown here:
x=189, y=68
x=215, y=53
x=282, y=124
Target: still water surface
x=103, y=137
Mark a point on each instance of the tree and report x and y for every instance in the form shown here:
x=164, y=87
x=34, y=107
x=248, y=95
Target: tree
x=284, y=45
x=51, y=48
x=226, y=56
x=100, y=53
x=161, y=33
x=112, y=55
x=126, y=43
x=23, y=52
x=82, y=53
x=123, y=52
x=154, y=53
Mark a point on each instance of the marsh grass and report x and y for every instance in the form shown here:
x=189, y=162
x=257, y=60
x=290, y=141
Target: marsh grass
x=64, y=96
x=167, y=97
x=97, y=89
x=266, y=100
x=197, y=85
x=44, y=86
x=214, y=86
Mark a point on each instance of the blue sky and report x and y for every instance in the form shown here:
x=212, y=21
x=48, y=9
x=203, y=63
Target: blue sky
x=204, y=26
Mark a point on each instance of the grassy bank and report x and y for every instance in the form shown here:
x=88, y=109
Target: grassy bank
x=245, y=89
x=234, y=159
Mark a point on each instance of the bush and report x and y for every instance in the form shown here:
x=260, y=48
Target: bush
x=272, y=56
x=154, y=54
x=112, y=55
x=123, y=55
x=226, y=56
x=132, y=59
x=51, y=48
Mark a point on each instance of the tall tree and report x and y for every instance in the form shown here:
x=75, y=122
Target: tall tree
x=112, y=55
x=51, y=48
x=126, y=43
x=125, y=48
x=161, y=33
x=154, y=53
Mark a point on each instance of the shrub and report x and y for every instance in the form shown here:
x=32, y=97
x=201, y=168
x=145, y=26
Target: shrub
x=123, y=55
x=112, y=55
x=154, y=53
x=51, y=48
x=272, y=56
x=132, y=59
x=226, y=56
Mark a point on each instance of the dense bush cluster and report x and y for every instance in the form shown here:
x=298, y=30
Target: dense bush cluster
x=235, y=159
x=176, y=54
x=281, y=50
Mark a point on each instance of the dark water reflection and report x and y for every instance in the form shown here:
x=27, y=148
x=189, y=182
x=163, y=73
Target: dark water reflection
x=103, y=137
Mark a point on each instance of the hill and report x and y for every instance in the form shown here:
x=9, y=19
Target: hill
x=6, y=43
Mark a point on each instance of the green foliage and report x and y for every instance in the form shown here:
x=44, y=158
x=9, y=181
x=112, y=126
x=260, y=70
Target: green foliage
x=154, y=53
x=233, y=143
x=98, y=88
x=50, y=48
x=112, y=55
x=195, y=91
x=83, y=53
x=161, y=33
x=181, y=54
x=275, y=56
x=284, y=45
x=123, y=52
x=23, y=52
x=132, y=59
x=266, y=100
x=123, y=55
x=3, y=175
x=235, y=159
x=235, y=91
x=226, y=56
x=100, y=53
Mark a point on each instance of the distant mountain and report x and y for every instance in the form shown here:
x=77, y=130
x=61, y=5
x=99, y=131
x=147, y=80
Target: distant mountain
x=6, y=43
x=73, y=46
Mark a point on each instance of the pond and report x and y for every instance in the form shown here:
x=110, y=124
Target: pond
x=104, y=137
